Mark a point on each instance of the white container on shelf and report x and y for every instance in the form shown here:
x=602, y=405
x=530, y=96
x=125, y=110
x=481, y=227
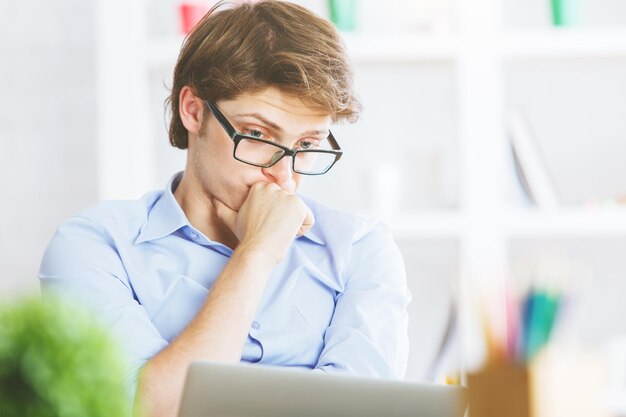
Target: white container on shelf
x=424, y=178
x=616, y=352
x=386, y=189
x=422, y=16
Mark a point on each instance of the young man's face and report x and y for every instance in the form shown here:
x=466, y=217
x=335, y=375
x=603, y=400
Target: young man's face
x=268, y=114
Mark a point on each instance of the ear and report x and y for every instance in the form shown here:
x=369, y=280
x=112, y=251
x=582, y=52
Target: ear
x=190, y=109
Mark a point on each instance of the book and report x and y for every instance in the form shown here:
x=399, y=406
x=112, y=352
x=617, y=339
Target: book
x=530, y=166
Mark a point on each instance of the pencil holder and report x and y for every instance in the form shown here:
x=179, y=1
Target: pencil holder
x=499, y=390
x=558, y=383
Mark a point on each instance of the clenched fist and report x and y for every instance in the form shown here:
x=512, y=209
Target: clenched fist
x=268, y=220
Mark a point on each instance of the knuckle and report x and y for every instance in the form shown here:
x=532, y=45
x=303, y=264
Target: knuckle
x=292, y=199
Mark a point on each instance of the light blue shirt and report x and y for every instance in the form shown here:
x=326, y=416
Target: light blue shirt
x=337, y=302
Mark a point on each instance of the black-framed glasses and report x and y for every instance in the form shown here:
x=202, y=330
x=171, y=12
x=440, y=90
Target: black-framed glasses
x=263, y=153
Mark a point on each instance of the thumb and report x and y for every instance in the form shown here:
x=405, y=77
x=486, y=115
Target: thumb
x=308, y=222
x=225, y=214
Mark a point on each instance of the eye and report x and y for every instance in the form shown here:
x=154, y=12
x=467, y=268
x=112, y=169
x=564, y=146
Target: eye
x=307, y=144
x=255, y=132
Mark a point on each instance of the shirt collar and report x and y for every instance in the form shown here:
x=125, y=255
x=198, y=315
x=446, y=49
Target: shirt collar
x=166, y=216
x=313, y=235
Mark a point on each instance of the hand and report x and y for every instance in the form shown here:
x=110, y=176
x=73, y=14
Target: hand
x=268, y=220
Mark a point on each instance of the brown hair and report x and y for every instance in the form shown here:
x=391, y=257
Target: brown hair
x=253, y=46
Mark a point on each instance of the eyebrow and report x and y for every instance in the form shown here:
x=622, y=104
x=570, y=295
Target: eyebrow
x=279, y=129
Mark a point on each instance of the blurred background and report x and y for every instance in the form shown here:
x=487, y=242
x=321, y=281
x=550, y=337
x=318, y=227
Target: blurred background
x=443, y=84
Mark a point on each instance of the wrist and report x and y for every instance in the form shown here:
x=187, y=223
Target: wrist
x=255, y=254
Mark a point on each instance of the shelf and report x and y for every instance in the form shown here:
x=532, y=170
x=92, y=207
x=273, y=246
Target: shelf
x=402, y=47
x=527, y=223
x=566, y=223
x=565, y=43
x=407, y=48
x=362, y=48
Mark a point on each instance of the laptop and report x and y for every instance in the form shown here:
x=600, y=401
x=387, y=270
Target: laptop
x=243, y=390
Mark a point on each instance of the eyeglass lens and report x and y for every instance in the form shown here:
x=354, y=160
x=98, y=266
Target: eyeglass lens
x=266, y=154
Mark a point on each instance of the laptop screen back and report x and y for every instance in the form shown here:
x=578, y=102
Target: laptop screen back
x=213, y=390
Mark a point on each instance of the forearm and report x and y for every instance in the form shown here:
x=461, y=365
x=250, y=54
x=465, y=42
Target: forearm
x=217, y=333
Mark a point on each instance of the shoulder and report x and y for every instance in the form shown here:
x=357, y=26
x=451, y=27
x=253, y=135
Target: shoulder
x=106, y=224
x=335, y=226
x=125, y=217
x=90, y=239
x=363, y=248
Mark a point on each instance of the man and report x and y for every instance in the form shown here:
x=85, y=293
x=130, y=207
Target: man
x=228, y=263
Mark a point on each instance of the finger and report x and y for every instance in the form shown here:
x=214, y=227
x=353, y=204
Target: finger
x=308, y=222
x=225, y=214
x=264, y=185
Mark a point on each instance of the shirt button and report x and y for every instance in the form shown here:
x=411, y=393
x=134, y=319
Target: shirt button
x=256, y=325
x=193, y=235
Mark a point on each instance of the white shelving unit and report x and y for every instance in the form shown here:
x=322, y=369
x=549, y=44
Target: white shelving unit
x=362, y=48
x=567, y=223
x=483, y=224
x=366, y=48
x=564, y=43
x=516, y=223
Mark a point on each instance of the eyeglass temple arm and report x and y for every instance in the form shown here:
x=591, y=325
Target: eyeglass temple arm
x=334, y=145
x=221, y=118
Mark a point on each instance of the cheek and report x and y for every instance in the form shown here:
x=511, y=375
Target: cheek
x=297, y=178
x=227, y=179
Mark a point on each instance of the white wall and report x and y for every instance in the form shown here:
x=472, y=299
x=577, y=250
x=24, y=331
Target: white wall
x=47, y=129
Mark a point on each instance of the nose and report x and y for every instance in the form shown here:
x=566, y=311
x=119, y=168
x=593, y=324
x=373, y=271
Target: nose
x=281, y=174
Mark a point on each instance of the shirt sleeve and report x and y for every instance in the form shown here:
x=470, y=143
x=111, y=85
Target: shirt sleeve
x=368, y=334
x=82, y=266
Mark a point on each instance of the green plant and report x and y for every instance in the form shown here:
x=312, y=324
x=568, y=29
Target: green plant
x=56, y=362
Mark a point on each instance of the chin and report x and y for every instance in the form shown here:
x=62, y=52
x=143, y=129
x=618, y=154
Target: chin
x=234, y=196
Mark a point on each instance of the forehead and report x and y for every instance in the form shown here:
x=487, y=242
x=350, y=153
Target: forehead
x=276, y=105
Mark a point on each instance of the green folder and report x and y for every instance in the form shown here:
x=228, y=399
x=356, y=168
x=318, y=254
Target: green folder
x=343, y=14
x=566, y=12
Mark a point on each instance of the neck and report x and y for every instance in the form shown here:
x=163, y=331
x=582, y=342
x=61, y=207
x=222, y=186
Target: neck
x=197, y=206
